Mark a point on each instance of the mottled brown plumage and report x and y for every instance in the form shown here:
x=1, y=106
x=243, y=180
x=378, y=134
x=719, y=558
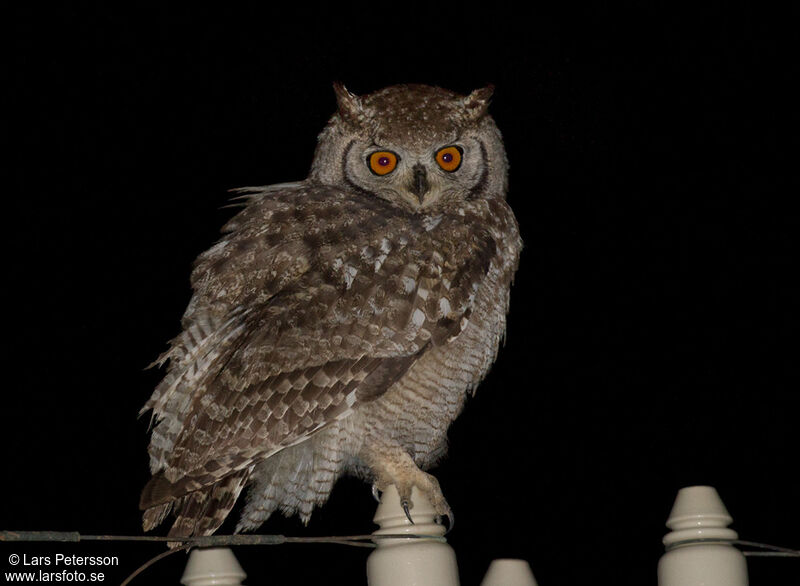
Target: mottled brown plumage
x=339, y=323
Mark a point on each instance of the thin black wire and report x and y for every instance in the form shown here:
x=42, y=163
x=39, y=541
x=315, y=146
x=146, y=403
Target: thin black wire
x=152, y=561
x=775, y=550
x=366, y=540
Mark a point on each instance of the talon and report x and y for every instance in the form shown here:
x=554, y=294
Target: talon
x=451, y=521
x=406, y=511
x=376, y=493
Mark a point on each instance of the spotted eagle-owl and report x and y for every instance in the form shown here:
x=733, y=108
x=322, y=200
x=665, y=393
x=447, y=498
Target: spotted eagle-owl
x=340, y=322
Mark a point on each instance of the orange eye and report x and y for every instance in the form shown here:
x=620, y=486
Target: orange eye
x=449, y=158
x=382, y=162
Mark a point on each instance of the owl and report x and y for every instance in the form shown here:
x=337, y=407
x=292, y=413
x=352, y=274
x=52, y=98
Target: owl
x=339, y=324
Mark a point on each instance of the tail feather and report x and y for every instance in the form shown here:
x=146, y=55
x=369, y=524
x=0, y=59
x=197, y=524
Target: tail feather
x=193, y=508
x=223, y=498
x=200, y=512
x=154, y=516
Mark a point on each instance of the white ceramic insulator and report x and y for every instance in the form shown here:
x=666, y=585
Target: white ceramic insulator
x=410, y=561
x=508, y=572
x=699, y=547
x=213, y=566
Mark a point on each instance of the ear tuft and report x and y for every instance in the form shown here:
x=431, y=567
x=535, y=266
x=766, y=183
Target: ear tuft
x=477, y=103
x=350, y=107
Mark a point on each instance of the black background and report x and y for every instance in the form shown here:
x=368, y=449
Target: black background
x=652, y=336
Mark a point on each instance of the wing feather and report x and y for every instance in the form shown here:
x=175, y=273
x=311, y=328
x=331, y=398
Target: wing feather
x=312, y=303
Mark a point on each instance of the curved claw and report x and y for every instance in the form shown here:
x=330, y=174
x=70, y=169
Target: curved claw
x=376, y=493
x=451, y=521
x=404, y=504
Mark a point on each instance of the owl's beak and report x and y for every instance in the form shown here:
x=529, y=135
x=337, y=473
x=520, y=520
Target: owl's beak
x=419, y=182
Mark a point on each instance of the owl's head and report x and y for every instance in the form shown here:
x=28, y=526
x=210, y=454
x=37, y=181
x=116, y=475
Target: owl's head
x=419, y=147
